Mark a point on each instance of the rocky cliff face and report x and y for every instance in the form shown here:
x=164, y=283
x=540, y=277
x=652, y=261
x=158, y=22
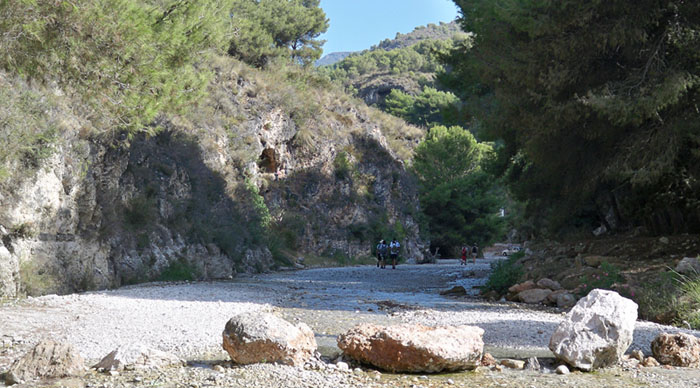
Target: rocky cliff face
x=248, y=179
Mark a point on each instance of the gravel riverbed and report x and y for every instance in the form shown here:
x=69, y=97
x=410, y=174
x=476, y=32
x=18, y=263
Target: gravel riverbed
x=187, y=319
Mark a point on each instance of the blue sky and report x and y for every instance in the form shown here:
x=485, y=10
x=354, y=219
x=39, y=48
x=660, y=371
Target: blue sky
x=358, y=24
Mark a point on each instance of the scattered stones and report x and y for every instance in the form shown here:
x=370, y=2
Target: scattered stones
x=562, y=370
x=48, y=359
x=455, y=291
x=596, y=332
x=414, y=348
x=688, y=266
x=262, y=337
x=677, y=349
x=513, y=364
x=527, y=285
x=549, y=283
x=534, y=296
x=135, y=356
x=664, y=240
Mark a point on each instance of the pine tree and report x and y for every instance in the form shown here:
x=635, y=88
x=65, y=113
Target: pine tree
x=596, y=103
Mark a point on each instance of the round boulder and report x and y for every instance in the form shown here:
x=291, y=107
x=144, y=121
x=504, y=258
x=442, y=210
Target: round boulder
x=251, y=338
x=414, y=348
x=677, y=349
x=48, y=359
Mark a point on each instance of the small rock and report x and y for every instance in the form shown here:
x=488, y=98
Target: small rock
x=113, y=373
x=342, y=366
x=549, y=283
x=219, y=368
x=527, y=285
x=482, y=369
x=664, y=240
x=534, y=296
x=455, y=291
x=498, y=368
x=562, y=370
x=358, y=371
x=688, y=266
x=450, y=382
x=650, y=362
x=488, y=360
x=532, y=364
x=637, y=355
x=513, y=364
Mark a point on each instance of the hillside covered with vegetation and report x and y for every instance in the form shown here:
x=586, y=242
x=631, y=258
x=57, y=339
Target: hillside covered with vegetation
x=185, y=140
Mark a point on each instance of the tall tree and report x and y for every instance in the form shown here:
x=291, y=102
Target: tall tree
x=265, y=29
x=596, y=103
x=460, y=199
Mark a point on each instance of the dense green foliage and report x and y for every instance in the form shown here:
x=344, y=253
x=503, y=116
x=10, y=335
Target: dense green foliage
x=596, y=103
x=422, y=57
x=430, y=107
x=504, y=274
x=440, y=31
x=460, y=199
x=266, y=29
x=27, y=128
x=128, y=60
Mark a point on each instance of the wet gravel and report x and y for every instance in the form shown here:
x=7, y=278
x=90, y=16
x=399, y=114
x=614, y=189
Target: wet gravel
x=187, y=319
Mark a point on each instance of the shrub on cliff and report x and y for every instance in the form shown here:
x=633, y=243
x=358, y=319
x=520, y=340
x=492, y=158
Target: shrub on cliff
x=129, y=60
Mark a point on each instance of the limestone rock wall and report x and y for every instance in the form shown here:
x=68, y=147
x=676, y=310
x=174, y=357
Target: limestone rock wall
x=195, y=198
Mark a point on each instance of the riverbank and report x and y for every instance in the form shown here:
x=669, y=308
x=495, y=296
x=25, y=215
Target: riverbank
x=187, y=319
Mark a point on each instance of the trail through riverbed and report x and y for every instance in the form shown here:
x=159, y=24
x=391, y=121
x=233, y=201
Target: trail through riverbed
x=187, y=318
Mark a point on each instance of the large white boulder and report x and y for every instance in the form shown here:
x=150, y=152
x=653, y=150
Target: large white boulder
x=596, y=332
x=414, y=348
x=251, y=338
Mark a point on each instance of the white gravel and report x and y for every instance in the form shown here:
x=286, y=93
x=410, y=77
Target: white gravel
x=187, y=318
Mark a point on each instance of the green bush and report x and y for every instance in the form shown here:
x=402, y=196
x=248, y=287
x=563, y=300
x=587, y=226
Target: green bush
x=609, y=275
x=178, y=270
x=342, y=166
x=129, y=60
x=504, y=273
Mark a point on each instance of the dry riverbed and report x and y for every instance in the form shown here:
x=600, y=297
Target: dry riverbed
x=187, y=319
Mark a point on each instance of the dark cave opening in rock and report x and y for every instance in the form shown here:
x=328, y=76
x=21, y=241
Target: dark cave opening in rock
x=268, y=160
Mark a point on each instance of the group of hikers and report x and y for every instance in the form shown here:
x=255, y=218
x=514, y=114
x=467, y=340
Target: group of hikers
x=472, y=251
x=393, y=250
x=382, y=250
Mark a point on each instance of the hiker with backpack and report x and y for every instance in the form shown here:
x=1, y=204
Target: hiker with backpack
x=475, y=252
x=381, y=254
x=394, y=248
